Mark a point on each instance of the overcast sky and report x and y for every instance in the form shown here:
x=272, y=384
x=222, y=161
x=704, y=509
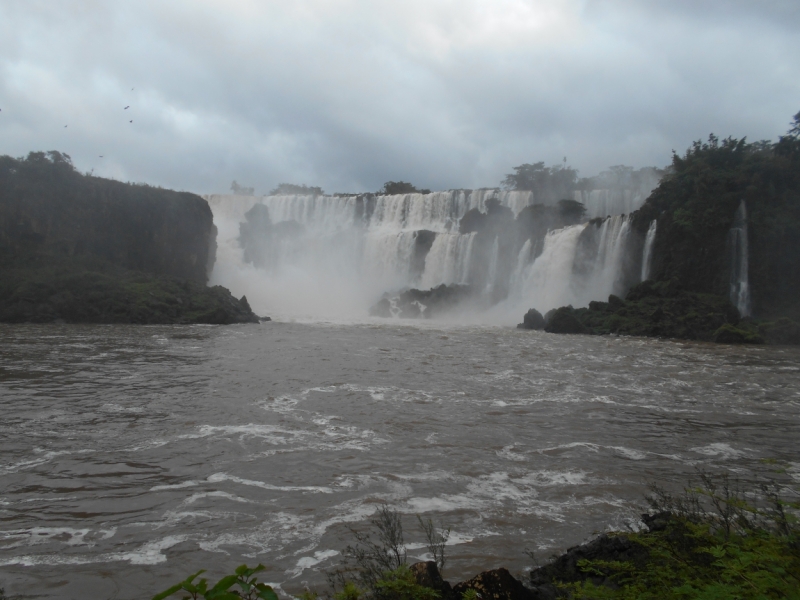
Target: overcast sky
x=348, y=94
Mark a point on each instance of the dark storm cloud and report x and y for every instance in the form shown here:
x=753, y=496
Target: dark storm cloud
x=347, y=94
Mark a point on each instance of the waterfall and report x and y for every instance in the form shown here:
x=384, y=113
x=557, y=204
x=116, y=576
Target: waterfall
x=548, y=281
x=448, y=260
x=494, y=257
x=604, y=275
x=315, y=256
x=647, y=253
x=740, y=285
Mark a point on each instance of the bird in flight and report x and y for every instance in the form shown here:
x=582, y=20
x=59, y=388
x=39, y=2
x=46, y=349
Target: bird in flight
x=101, y=156
x=131, y=121
x=126, y=108
x=65, y=126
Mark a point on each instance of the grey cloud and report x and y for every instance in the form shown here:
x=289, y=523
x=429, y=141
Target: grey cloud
x=350, y=94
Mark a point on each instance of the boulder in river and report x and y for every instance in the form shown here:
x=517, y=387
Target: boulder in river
x=533, y=319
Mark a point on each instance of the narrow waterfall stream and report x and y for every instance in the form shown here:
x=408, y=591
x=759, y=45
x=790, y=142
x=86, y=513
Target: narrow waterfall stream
x=647, y=253
x=740, y=285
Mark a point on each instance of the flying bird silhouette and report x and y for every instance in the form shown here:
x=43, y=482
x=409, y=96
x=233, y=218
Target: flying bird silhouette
x=131, y=121
x=65, y=126
x=126, y=108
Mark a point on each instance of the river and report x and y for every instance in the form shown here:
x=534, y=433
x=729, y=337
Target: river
x=131, y=456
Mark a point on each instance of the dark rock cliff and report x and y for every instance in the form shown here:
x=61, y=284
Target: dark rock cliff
x=82, y=249
x=50, y=211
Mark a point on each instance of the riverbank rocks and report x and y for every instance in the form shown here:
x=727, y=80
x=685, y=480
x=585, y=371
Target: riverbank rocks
x=564, y=320
x=427, y=574
x=497, y=584
x=728, y=334
x=660, y=309
x=533, y=319
x=566, y=568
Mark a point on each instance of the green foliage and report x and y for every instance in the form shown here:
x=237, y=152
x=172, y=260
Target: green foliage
x=349, y=591
x=400, y=584
x=400, y=187
x=92, y=291
x=660, y=309
x=243, y=577
x=716, y=544
x=470, y=594
x=695, y=204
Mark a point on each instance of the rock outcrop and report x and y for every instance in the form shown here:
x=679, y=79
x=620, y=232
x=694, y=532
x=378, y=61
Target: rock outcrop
x=422, y=304
x=533, y=319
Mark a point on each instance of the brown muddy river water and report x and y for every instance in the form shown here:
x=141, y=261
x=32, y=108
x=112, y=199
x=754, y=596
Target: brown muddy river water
x=133, y=456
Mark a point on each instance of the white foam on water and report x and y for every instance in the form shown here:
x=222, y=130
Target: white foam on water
x=719, y=449
x=62, y=535
x=174, y=486
x=46, y=456
x=311, y=561
x=508, y=453
x=630, y=453
x=220, y=477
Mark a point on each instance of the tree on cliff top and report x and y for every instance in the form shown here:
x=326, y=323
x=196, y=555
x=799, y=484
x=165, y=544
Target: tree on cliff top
x=292, y=189
x=241, y=190
x=391, y=188
x=546, y=183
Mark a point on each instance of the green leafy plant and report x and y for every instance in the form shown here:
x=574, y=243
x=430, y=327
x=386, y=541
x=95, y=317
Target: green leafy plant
x=350, y=591
x=400, y=584
x=243, y=577
x=470, y=594
x=717, y=542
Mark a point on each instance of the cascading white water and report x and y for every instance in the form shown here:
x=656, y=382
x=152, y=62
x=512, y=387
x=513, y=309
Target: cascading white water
x=448, y=260
x=335, y=256
x=604, y=277
x=647, y=253
x=494, y=258
x=547, y=283
x=740, y=284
